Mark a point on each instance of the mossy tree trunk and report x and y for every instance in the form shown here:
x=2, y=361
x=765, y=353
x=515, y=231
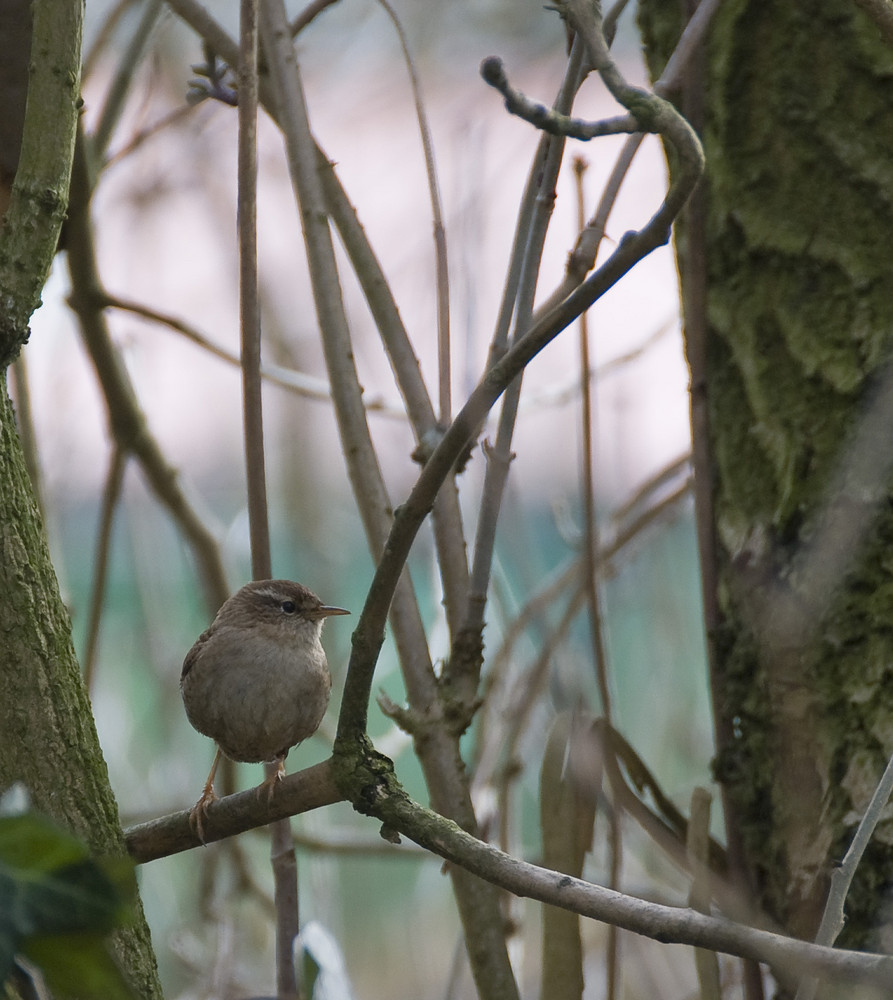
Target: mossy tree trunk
x=793, y=249
x=49, y=740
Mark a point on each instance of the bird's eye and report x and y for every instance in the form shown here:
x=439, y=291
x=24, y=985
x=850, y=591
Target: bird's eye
x=289, y=607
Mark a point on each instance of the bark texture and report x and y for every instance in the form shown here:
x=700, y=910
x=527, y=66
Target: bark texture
x=798, y=120
x=47, y=735
x=49, y=738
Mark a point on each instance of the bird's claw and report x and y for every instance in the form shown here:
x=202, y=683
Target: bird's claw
x=200, y=810
x=271, y=782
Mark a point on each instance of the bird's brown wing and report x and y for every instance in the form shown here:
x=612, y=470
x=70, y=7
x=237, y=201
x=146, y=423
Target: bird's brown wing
x=193, y=654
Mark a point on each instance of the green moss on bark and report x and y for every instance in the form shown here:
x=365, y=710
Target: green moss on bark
x=798, y=115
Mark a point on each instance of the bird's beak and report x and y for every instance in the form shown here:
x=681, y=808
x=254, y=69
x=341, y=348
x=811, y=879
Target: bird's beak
x=324, y=611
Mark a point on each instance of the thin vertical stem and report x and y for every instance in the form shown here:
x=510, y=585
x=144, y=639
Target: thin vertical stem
x=499, y=456
x=249, y=307
x=282, y=850
x=698, y=848
x=442, y=283
x=110, y=497
x=591, y=561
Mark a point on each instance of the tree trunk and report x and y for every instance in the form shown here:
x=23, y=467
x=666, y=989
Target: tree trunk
x=49, y=740
x=793, y=250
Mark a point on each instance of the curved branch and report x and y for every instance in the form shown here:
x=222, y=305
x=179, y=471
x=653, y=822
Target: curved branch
x=408, y=518
x=668, y=924
x=548, y=119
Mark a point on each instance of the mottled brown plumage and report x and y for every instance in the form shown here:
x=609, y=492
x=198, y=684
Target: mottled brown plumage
x=257, y=681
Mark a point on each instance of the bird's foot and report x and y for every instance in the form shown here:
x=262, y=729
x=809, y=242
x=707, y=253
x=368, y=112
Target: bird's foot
x=271, y=781
x=200, y=810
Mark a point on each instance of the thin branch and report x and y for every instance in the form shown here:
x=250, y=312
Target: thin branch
x=147, y=133
x=833, y=918
x=126, y=419
x=297, y=793
x=104, y=36
x=308, y=14
x=698, y=846
x=448, y=532
x=591, y=547
x=369, y=634
x=314, y=787
x=654, y=484
x=110, y=497
x=463, y=671
x=438, y=752
x=442, y=281
x=548, y=119
x=448, y=523
x=282, y=848
x=362, y=465
x=123, y=79
x=668, y=924
x=249, y=306
x=308, y=386
x=583, y=256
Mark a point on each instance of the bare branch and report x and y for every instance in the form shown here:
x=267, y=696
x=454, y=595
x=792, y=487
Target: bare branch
x=296, y=793
x=126, y=419
x=548, y=119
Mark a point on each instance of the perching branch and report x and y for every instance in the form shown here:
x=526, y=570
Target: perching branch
x=375, y=790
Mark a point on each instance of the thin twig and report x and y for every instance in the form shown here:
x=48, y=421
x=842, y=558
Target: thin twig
x=591, y=547
x=478, y=902
x=652, y=485
x=314, y=787
x=282, y=848
x=669, y=924
x=308, y=14
x=104, y=36
x=308, y=386
x=110, y=497
x=833, y=917
x=465, y=671
x=147, y=133
x=447, y=518
x=127, y=421
x=549, y=119
x=123, y=79
x=249, y=306
x=583, y=256
x=698, y=847
x=442, y=280
x=448, y=533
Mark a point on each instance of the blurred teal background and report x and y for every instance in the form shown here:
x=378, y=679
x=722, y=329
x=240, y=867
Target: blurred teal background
x=165, y=218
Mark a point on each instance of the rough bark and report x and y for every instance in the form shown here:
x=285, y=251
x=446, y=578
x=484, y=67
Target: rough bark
x=798, y=114
x=49, y=740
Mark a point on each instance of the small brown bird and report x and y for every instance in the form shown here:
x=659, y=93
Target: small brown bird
x=257, y=681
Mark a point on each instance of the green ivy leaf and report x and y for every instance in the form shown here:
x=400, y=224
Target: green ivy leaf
x=77, y=966
x=56, y=905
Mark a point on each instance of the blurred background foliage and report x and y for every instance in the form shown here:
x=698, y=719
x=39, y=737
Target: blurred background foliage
x=164, y=212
